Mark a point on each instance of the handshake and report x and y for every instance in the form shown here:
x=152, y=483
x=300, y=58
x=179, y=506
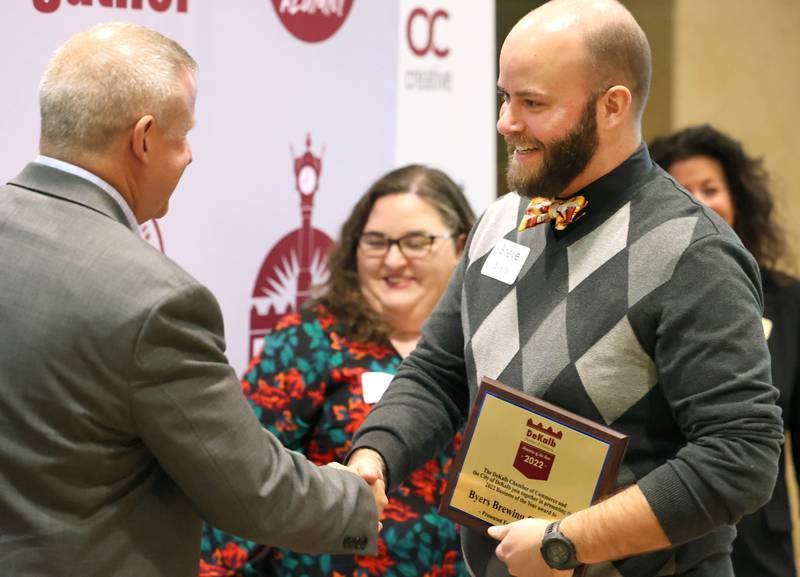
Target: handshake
x=369, y=465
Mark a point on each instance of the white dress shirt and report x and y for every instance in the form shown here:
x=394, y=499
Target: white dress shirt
x=94, y=179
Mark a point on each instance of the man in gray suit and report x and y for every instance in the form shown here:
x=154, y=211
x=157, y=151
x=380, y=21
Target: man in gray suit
x=122, y=424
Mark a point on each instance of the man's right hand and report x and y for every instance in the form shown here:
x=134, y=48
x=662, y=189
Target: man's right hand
x=369, y=465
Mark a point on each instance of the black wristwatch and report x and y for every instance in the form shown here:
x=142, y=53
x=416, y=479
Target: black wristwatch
x=557, y=550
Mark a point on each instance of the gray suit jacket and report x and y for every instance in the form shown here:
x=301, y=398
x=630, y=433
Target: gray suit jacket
x=122, y=425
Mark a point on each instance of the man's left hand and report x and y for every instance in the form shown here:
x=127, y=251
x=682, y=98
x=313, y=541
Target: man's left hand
x=519, y=548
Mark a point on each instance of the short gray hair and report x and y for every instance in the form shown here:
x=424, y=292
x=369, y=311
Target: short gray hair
x=103, y=79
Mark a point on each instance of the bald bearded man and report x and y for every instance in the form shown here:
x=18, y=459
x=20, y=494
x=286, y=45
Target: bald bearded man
x=643, y=313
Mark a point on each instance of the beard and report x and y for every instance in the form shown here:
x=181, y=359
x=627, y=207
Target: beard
x=562, y=160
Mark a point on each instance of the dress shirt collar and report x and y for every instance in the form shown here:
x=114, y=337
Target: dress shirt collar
x=608, y=193
x=97, y=181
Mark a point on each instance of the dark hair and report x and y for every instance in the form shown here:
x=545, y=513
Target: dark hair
x=748, y=182
x=341, y=294
x=620, y=54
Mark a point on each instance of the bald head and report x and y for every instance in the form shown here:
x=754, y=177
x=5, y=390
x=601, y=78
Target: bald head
x=101, y=80
x=614, y=47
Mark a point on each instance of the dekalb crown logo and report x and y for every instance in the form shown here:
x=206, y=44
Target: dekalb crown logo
x=312, y=20
x=538, y=433
x=534, y=459
x=545, y=430
x=296, y=263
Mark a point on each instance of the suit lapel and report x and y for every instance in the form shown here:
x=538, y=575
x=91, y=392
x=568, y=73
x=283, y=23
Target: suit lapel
x=68, y=187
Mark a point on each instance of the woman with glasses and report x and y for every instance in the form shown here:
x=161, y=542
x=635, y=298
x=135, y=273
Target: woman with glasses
x=324, y=367
x=716, y=169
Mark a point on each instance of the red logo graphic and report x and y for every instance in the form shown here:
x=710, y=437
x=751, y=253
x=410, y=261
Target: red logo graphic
x=533, y=463
x=545, y=430
x=152, y=234
x=312, y=20
x=296, y=263
x=48, y=6
x=421, y=32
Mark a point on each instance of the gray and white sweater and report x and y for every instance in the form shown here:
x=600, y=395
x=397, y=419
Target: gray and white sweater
x=644, y=315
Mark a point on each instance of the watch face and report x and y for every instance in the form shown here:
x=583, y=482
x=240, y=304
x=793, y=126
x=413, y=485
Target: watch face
x=557, y=553
x=307, y=180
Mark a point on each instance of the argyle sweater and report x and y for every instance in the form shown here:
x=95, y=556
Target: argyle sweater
x=644, y=315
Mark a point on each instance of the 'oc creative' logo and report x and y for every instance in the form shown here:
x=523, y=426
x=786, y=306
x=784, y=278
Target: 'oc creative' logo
x=312, y=20
x=421, y=28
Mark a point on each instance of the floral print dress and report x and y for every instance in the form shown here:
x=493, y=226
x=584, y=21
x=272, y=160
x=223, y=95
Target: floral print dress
x=305, y=387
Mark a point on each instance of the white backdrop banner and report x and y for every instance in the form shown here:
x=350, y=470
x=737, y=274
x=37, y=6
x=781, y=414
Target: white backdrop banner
x=302, y=104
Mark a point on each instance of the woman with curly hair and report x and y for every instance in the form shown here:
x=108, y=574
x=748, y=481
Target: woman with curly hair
x=324, y=366
x=715, y=168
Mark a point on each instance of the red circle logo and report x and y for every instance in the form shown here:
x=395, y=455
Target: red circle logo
x=312, y=20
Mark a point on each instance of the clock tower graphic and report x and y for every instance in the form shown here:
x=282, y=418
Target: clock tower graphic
x=296, y=263
x=152, y=234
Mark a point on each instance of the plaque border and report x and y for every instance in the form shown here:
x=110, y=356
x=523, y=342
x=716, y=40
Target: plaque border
x=606, y=482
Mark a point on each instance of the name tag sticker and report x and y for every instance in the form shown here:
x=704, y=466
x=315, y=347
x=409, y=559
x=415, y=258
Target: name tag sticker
x=373, y=385
x=767, y=324
x=505, y=261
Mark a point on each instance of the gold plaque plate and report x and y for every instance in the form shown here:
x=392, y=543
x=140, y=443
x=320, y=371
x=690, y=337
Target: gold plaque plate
x=524, y=457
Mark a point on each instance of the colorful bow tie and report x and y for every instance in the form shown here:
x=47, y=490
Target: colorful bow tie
x=543, y=209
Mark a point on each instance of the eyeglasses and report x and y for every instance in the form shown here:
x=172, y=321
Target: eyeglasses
x=413, y=245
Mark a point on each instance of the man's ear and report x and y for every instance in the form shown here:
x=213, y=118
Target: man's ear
x=615, y=106
x=142, y=132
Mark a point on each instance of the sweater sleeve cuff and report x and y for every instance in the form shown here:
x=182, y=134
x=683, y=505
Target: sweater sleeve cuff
x=674, y=505
x=391, y=451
